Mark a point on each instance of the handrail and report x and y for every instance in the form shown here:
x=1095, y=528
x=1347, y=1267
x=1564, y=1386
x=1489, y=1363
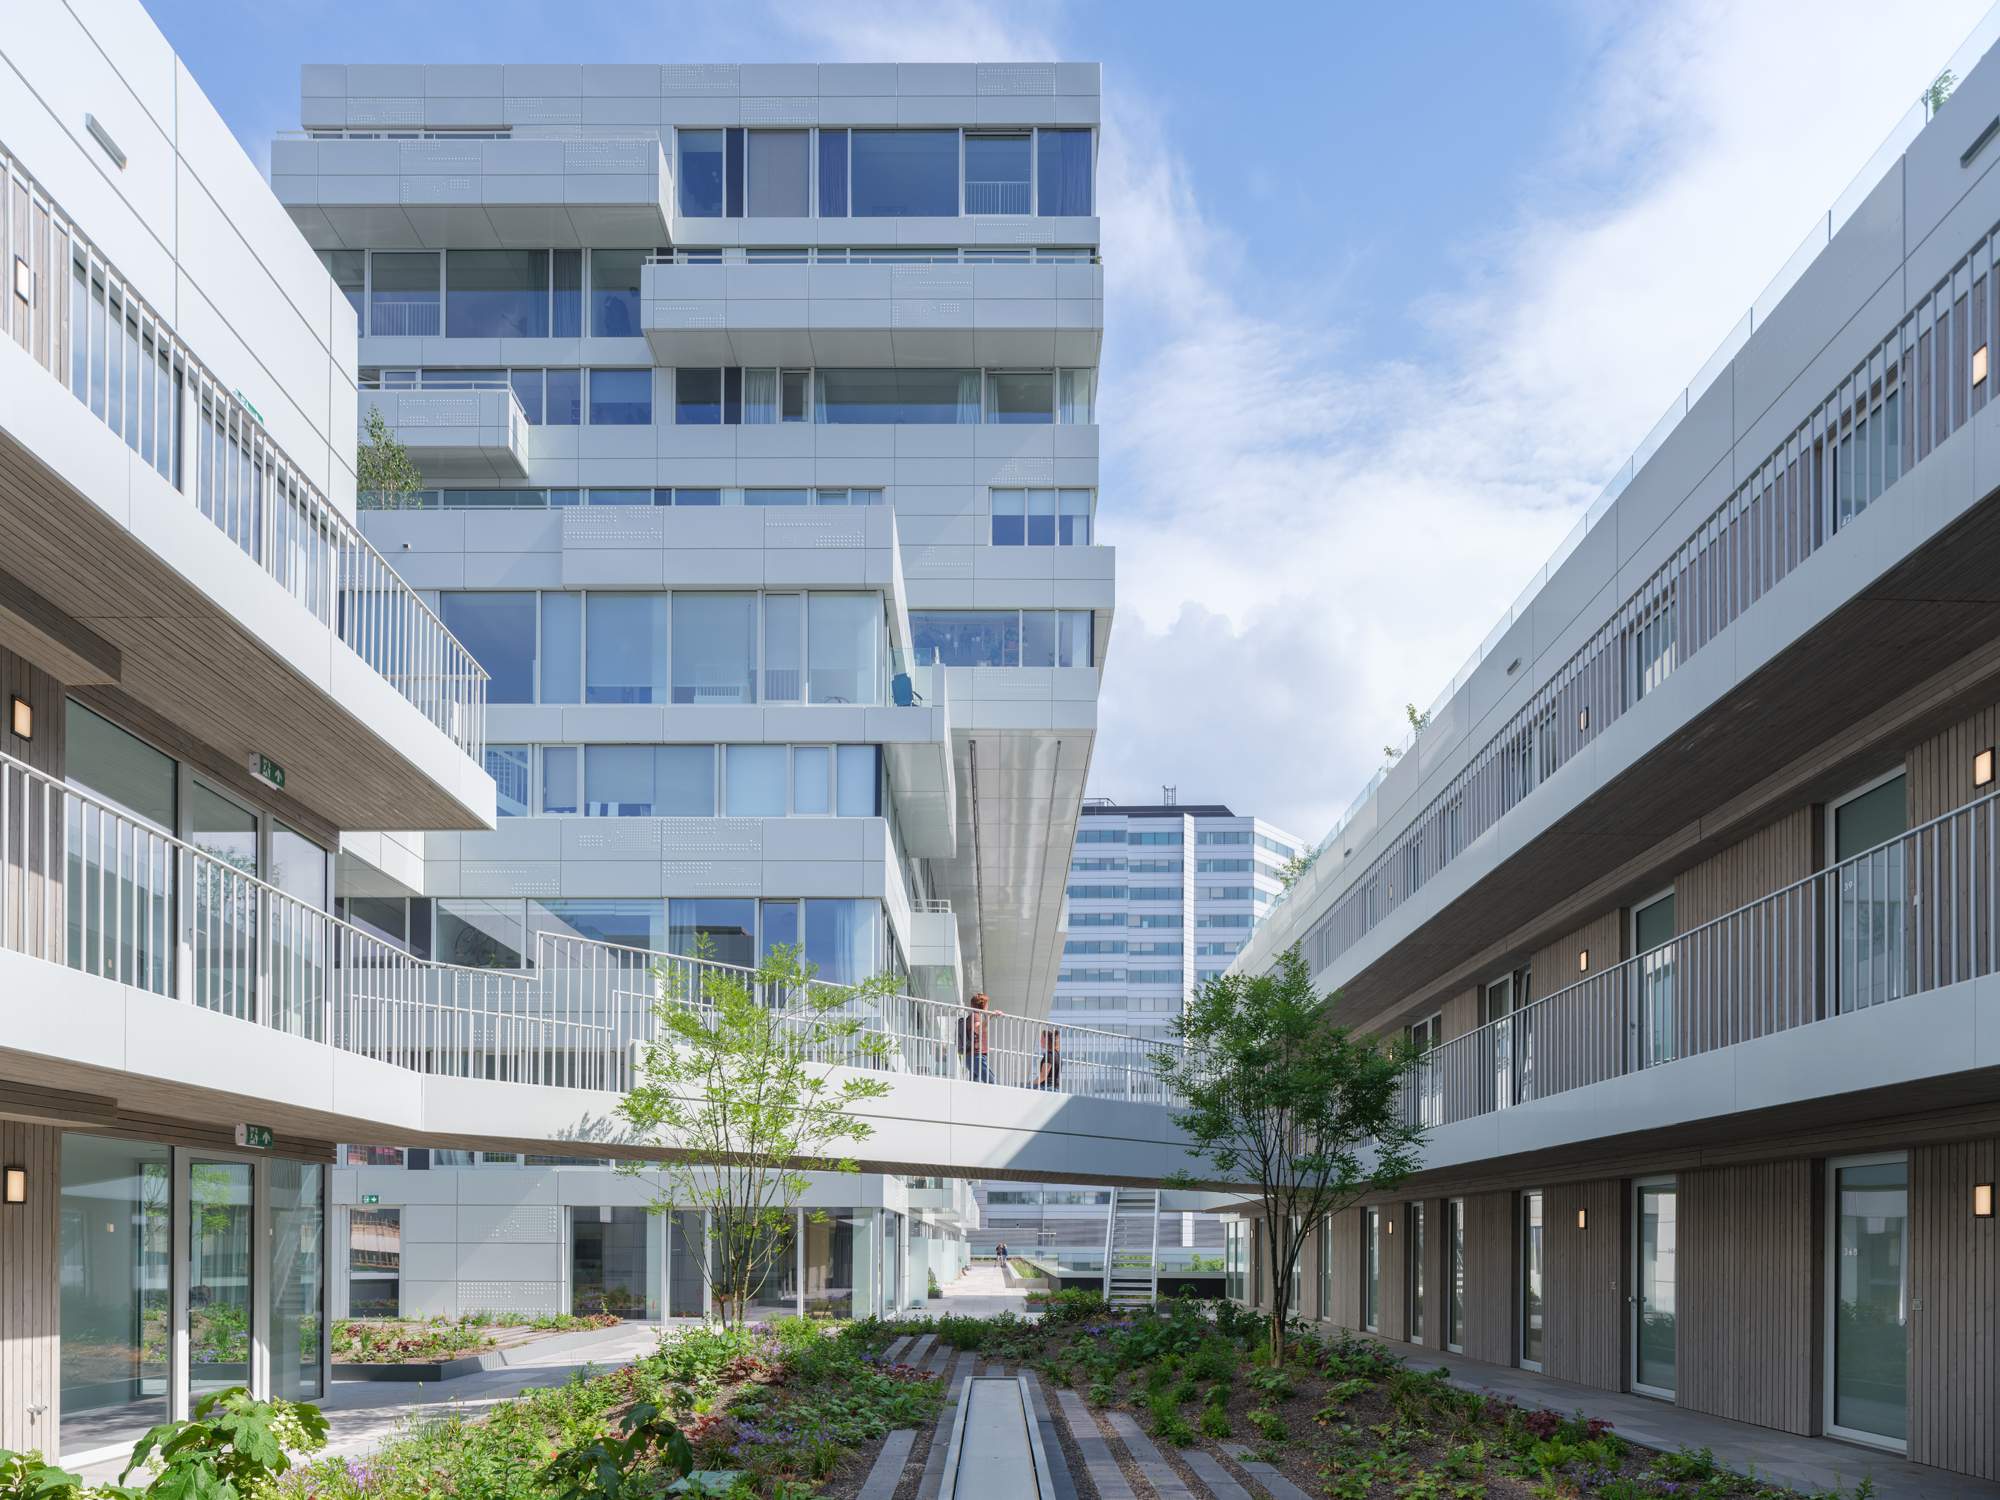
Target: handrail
x=96, y=334
x=881, y=255
x=438, y=382
x=1915, y=912
x=1905, y=131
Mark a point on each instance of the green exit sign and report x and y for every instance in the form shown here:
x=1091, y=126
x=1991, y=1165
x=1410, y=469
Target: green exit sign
x=254, y=1137
x=370, y=1199
x=268, y=771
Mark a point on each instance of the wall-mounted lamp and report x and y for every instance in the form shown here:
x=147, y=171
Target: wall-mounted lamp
x=1583, y=718
x=1982, y=767
x=1979, y=364
x=1583, y=1218
x=1982, y=1200
x=21, y=718
x=1583, y=960
x=15, y=1189
x=1389, y=1225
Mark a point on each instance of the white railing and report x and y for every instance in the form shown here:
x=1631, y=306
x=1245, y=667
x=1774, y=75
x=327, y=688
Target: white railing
x=882, y=255
x=998, y=198
x=615, y=989
x=1912, y=914
x=86, y=885
x=434, y=380
x=90, y=329
x=415, y=319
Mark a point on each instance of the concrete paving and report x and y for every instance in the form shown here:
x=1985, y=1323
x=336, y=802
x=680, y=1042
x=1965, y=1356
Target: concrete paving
x=980, y=1292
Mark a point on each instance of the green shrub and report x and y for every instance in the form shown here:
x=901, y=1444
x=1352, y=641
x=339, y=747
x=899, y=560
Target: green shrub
x=24, y=1476
x=1215, y=1358
x=1101, y=1394
x=233, y=1447
x=1270, y=1426
x=1214, y=1422
x=1218, y=1394
x=1168, y=1424
x=1073, y=1306
x=1272, y=1385
x=612, y=1468
x=962, y=1333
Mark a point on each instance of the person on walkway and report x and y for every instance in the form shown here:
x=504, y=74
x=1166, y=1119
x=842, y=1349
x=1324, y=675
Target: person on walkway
x=1050, y=1076
x=972, y=1044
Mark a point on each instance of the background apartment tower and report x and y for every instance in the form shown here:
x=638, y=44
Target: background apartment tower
x=756, y=413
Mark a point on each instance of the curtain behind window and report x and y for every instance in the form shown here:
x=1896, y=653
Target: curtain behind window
x=760, y=397
x=968, y=396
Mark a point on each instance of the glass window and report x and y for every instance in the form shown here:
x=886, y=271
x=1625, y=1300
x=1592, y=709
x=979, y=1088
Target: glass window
x=403, y=297
x=118, y=768
x=1871, y=819
x=844, y=939
x=812, y=779
x=1038, y=638
x=1076, y=397
x=647, y=781
x=508, y=766
x=1063, y=176
x=496, y=294
x=298, y=1226
x=860, y=784
x=621, y=497
x=998, y=169
x=1010, y=518
x=1074, y=644
x=698, y=398
x=754, y=781
x=715, y=648
x=374, y=1262
x=1454, y=1274
x=614, y=293
x=1074, y=527
x=1041, y=518
x=724, y=928
x=967, y=637
x=1021, y=396
x=793, y=389
x=777, y=497
x=905, y=173
x=843, y=647
x=479, y=934
x=625, y=648
x=1871, y=1298
x=701, y=174
x=565, y=400
x=499, y=630
x=527, y=387
x=349, y=270
x=562, y=648
x=833, y=174
x=1532, y=1305
x=1654, y=1341
x=908, y=396
x=116, y=1246
x=627, y=923
x=784, y=621
x=566, y=316
x=780, y=174
x=621, y=397
x=781, y=926
x=558, y=780
x=222, y=1270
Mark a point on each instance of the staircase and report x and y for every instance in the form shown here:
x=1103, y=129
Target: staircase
x=1132, y=1248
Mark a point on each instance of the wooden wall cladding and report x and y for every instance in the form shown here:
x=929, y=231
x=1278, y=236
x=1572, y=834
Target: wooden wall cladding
x=30, y=1278
x=1955, y=1310
x=44, y=695
x=1586, y=1283
x=1491, y=1286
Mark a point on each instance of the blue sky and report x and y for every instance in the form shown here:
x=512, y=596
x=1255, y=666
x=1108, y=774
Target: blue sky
x=1391, y=291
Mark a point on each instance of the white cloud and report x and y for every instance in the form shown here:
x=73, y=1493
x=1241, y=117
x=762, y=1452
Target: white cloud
x=1307, y=541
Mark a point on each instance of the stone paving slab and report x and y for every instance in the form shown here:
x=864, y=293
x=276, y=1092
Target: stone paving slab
x=920, y=1350
x=887, y=1470
x=1161, y=1475
x=1098, y=1461
x=1065, y=1482
x=1221, y=1483
x=894, y=1353
x=1269, y=1479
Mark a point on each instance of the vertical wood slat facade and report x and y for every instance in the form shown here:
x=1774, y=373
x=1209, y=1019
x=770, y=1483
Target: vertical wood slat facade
x=1492, y=1286
x=1940, y=768
x=43, y=694
x=30, y=1279
x=1584, y=1283
x=31, y=918
x=1954, y=1310
x=1747, y=1288
x=1394, y=1321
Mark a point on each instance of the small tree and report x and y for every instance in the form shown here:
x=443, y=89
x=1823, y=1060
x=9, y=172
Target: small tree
x=1418, y=723
x=743, y=1092
x=1278, y=1096
x=383, y=466
x=1938, y=92
x=1293, y=870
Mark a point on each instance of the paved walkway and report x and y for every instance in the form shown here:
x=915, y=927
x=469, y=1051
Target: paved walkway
x=979, y=1293
x=1804, y=1463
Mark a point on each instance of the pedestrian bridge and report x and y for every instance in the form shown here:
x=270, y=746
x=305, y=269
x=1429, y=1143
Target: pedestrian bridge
x=142, y=979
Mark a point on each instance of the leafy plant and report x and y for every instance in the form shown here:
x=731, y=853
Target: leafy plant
x=1214, y=1422
x=1072, y=1306
x=383, y=470
x=606, y=1468
x=1168, y=1424
x=1270, y=1426
x=233, y=1447
x=24, y=1476
x=1272, y=1385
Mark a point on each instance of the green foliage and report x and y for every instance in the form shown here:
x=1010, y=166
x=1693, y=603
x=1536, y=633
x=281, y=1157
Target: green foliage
x=1280, y=1097
x=731, y=1084
x=1101, y=1394
x=1269, y=1425
x=233, y=1447
x=1072, y=1306
x=1272, y=1385
x=384, y=472
x=1167, y=1422
x=395, y=1343
x=1214, y=1421
x=24, y=1476
x=615, y=1468
x=1215, y=1358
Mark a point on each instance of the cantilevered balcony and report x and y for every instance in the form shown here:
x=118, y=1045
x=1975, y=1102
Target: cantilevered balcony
x=996, y=307
x=1868, y=986
x=459, y=432
x=156, y=541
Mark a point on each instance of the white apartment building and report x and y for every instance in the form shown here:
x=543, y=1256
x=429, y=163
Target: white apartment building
x=756, y=413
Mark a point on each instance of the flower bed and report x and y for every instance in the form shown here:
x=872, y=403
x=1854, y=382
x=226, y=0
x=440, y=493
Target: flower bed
x=404, y=1341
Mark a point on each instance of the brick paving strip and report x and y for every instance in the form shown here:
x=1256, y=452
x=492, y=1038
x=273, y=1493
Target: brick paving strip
x=933, y=1480
x=1274, y=1484
x=894, y=1353
x=1221, y=1483
x=887, y=1471
x=1065, y=1482
x=920, y=1350
x=1161, y=1475
x=1098, y=1462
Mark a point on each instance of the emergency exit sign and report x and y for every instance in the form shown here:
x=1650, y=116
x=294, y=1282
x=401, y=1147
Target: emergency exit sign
x=268, y=771
x=370, y=1199
x=254, y=1137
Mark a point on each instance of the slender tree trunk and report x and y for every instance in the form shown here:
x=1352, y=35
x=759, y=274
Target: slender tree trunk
x=1280, y=1290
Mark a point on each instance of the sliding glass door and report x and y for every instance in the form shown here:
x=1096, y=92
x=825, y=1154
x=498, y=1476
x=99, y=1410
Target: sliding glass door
x=1655, y=1241
x=220, y=1276
x=1868, y=1299
x=1532, y=1308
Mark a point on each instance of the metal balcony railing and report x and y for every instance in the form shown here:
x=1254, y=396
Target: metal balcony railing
x=998, y=198
x=86, y=885
x=880, y=255
x=1913, y=914
x=88, y=327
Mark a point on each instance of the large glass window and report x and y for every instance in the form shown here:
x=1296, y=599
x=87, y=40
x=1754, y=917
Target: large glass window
x=1654, y=1344
x=830, y=1241
x=374, y=1262
x=627, y=922
x=812, y=779
x=1004, y=638
x=225, y=946
x=715, y=648
x=1414, y=1279
x=1533, y=1307
x=1019, y=397
x=844, y=939
x=612, y=1253
x=298, y=1277
x=565, y=398
x=221, y=1267
x=566, y=281
x=1371, y=1269
x=700, y=178
x=403, y=295
x=725, y=926
x=1454, y=1274
x=349, y=270
x=780, y=174
x=508, y=766
x=860, y=781
x=116, y=1245
x=998, y=173
x=614, y=293
x=832, y=174
x=626, y=648
x=1870, y=945
x=698, y=398
x=475, y=934
x=499, y=630
x=904, y=173
x=784, y=648
x=621, y=397
x=647, y=781
x=1063, y=175
x=912, y=397
x=1870, y=1300
x=496, y=294
x=559, y=780
x=1653, y=944
x=117, y=767
x=843, y=648
x=562, y=648
x=754, y=781
x=1041, y=518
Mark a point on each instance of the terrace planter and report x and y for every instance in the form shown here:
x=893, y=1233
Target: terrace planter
x=432, y=1370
